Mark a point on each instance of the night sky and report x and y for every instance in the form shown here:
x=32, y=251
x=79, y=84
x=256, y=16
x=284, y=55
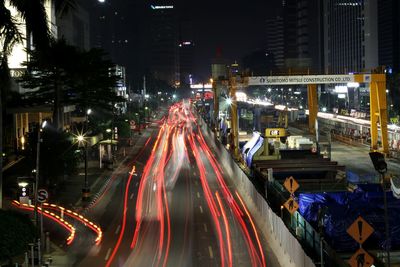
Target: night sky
x=236, y=27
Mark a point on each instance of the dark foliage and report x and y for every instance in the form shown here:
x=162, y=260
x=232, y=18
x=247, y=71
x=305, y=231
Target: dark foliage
x=16, y=232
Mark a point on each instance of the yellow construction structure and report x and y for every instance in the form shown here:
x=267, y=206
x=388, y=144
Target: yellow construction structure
x=234, y=116
x=378, y=104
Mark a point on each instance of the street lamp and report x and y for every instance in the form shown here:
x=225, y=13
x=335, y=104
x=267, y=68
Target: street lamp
x=378, y=160
x=39, y=140
x=86, y=188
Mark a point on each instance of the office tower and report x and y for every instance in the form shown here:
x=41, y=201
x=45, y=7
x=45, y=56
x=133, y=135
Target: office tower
x=164, y=44
x=351, y=36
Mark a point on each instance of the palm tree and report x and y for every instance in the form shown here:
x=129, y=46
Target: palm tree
x=34, y=15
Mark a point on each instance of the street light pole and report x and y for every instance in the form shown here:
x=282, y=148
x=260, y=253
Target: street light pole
x=380, y=165
x=39, y=226
x=37, y=174
x=386, y=219
x=39, y=140
x=85, y=189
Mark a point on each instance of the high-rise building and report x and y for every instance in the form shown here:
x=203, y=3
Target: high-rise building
x=109, y=31
x=389, y=34
x=74, y=26
x=290, y=32
x=351, y=36
x=186, y=51
x=121, y=87
x=309, y=35
x=275, y=40
x=295, y=36
x=186, y=57
x=164, y=42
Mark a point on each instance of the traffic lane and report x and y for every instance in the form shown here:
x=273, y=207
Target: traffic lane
x=113, y=205
x=205, y=241
x=123, y=250
x=183, y=232
x=152, y=220
x=270, y=256
x=110, y=208
x=241, y=247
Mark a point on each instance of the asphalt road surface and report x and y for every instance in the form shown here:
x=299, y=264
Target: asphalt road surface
x=169, y=204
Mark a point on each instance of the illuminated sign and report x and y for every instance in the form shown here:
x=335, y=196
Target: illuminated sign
x=306, y=79
x=201, y=86
x=275, y=132
x=161, y=7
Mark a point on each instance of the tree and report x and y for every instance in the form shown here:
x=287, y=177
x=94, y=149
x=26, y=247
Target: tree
x=16, y=231
x=94, y=83
x=34, y=14
x=49, y=76
x=67, y=75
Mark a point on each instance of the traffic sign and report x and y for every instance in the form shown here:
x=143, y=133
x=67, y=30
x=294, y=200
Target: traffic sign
x=361, y=259
x=42, y=196
x=291, y=205
x=360, y=230
x=291, y=185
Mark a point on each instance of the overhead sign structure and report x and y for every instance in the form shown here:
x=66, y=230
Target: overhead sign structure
x=42, y=196
x=291, y=205
x=360, y=230
x=309, y=79
x=296, y=80
x=291, y=185
x=361, y=259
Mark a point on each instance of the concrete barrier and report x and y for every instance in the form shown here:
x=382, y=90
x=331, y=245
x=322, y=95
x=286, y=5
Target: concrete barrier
x=284, y=245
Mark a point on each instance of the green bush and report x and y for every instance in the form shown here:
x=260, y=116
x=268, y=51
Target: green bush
x=16, y=232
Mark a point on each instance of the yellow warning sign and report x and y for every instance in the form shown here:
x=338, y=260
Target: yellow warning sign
x=291, y=205
x=360, y=230
x=291, y=185
x=361, y=259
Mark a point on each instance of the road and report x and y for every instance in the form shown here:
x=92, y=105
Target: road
x=170, y=204
x=354, y=157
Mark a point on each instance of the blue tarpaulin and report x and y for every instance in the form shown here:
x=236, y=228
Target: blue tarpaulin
x=342, y=208
x=355, y=178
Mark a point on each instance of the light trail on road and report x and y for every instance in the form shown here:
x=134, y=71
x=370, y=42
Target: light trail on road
x=180, y=150
x=52, y=217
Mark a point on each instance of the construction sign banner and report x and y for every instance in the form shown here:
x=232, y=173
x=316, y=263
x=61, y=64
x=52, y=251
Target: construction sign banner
x=291, y=185
x=360, y=230
x=295, y=80
x=291, y=205
x=361, y=259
